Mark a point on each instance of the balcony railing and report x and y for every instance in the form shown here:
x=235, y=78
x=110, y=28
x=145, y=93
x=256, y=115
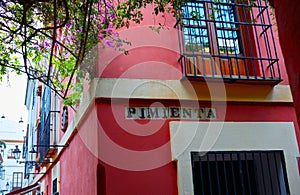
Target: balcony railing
x=226, y=68
x=228, y=40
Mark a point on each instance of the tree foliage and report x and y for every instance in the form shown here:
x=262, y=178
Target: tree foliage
x=49, y=39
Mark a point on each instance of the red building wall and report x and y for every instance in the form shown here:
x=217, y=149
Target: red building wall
x=135, y=155
x=78, y=165
x=288, y=19
x=135, y=161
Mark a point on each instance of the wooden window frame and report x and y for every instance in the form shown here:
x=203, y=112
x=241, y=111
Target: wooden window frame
x=215, y=63
x=17, y=180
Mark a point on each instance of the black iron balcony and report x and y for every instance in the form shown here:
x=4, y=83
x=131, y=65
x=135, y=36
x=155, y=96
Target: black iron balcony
x=228, y=40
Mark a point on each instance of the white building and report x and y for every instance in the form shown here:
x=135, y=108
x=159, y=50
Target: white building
x=11, y=133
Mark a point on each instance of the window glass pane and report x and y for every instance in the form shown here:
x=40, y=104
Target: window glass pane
x=225, y=16
x=196, y=40
x=224, y=31
x=193, y=14
x=228, y=41
x=227, y=29
x=195, y=30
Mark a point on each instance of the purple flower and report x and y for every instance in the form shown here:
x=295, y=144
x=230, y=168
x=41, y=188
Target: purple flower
x=47, y=44
x=109, y=43
x=119, y=44
x=103, y=20
x=69, y=25
x=79, y=30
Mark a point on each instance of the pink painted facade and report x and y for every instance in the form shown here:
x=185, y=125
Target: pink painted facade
x=107, y=152
x=287, y=17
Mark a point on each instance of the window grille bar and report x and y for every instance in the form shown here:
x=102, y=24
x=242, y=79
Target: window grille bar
x=229, y=22
x=262, y=11
x=177, y=22
x=241, y=174
x=285, y=174
x=228, y=40
x=225, y=174
x=262, y=172
x=258, y=46
x=265, y=29
x=247, y=173
x=180, y=58
x=270, y=175
x=248, y=35
x=273, y=42
x=256, y=175
x=217, y=173
x=209, y=175
x=277, y=173
x=266, y=39
x=232, y=3
x=201, y=174
x=229, y=57
x=273, y=62
x=232, y=173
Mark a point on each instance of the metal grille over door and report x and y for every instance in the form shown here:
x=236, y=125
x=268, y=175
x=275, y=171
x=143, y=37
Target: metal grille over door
x=240, y=173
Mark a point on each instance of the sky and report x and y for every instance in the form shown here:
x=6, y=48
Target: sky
x=12, y=97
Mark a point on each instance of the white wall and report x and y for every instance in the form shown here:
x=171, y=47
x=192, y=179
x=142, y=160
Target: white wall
x=12, y=133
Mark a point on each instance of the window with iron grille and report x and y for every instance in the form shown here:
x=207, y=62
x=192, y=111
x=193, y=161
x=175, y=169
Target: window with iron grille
x=249, y=172
x=54, y=187
x=47, y=135
x=44, y=128
x=228, y=39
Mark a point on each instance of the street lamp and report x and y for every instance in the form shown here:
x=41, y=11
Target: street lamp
x=7, y=186
x=17, y=153
x=21, y=120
